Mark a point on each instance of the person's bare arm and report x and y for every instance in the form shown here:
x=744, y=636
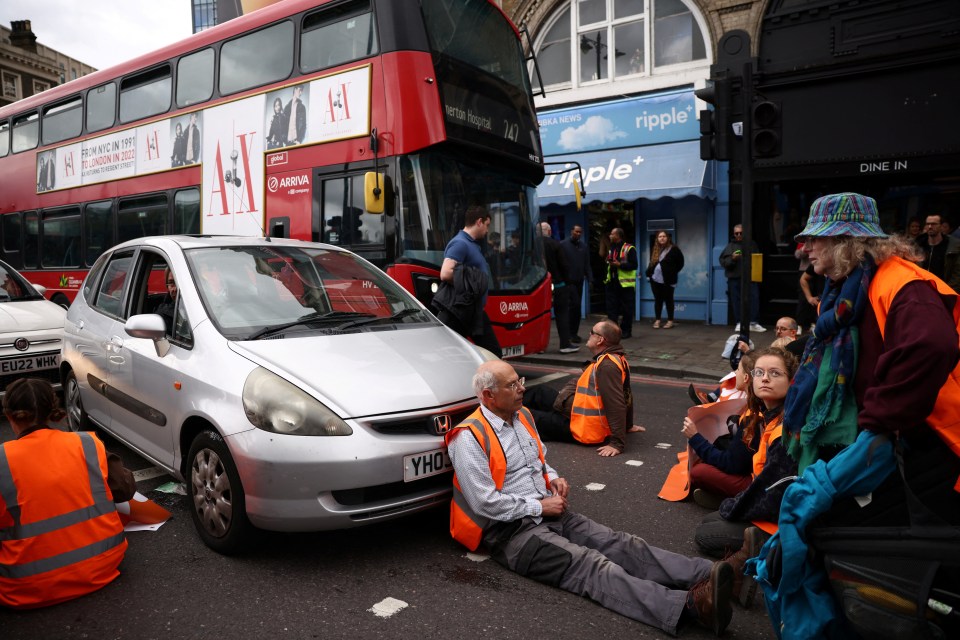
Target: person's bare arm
x=446, y=269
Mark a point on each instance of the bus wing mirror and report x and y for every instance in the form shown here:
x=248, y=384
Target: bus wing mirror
x=373, y=195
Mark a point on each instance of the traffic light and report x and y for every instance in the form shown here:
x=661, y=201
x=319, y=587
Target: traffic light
x=766, y=132
x=715, y=125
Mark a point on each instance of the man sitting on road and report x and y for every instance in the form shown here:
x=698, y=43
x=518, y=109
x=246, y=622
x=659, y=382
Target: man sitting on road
x=598, y=407
x=508, y=497
x=787, y=329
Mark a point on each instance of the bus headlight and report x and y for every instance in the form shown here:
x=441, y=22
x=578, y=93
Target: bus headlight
x=273, y=404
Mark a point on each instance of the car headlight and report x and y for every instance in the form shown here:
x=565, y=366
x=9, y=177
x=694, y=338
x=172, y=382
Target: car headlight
x=273, y=404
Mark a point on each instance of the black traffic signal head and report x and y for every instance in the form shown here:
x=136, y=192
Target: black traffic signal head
x=715, y=125
x=766, y=132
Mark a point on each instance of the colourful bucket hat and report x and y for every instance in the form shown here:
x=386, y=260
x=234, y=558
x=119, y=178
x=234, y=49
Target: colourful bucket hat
x=843, y=214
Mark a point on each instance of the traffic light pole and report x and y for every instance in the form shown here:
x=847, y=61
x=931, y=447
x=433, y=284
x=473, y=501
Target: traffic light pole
x=746, y=201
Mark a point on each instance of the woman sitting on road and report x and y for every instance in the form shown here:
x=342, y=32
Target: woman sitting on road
x=725, y=465
x=723, y=531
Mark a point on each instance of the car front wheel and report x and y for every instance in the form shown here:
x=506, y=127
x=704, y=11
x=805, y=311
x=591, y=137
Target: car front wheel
x=218, y=505
x=76, y=417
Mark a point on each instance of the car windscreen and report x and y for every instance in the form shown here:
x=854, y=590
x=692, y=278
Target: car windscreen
x=14, y=288
x=275, y=291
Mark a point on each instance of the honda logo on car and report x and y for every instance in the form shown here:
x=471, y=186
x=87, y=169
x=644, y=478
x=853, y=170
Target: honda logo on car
x=520, y=309
x=274, y=184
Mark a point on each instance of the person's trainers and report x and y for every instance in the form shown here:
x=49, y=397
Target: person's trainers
x=706, y=499
x=744, y=586
x=571, y=349
x=756, y=326
x=709, y=600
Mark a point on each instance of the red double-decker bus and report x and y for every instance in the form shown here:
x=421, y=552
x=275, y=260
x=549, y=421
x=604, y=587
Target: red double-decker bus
x=369, y=124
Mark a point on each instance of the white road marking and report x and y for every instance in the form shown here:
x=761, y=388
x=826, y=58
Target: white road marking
x=662, y=445
x=476, y=557
x=148, y=473
x=595, y=486
x=387, y=607
x=546, y=378
x=635, y=463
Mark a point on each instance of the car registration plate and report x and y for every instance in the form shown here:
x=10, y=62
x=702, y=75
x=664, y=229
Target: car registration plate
x=32, y=363
x=424, y=465
x=513, y=352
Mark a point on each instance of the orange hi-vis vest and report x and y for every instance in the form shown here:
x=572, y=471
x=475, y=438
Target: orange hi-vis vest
x=770, y=433
x=60, y=534
x=466, y=526
x=588, y=420
x=891, y=276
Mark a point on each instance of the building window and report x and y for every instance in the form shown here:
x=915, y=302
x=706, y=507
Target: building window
x=11, y=85
x=39, y=86
x=599, y=41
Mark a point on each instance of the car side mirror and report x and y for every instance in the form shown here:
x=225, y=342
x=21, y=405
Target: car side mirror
x=40, y=288
x=149, y=326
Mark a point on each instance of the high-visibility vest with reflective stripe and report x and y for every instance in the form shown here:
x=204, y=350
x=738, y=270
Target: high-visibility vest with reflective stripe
x=60, y=535
x=588, y=419
x=626, y=278
x=770, y=433
x=466, y=526
x=891, y=276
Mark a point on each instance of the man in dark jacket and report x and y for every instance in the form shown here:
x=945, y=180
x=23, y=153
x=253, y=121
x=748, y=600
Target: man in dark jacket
x=940, y=252
x=578, y=264
x=730, y=259
x=559, y=272
x=621, y=281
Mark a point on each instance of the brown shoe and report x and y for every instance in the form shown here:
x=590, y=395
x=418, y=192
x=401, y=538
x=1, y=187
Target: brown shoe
x=744, y=586
x=711, y=598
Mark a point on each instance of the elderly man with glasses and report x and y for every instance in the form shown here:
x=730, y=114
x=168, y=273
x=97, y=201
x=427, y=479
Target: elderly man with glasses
x=507, y=497
x=596, y=408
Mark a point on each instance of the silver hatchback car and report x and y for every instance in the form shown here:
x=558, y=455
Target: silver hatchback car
x=293, y=386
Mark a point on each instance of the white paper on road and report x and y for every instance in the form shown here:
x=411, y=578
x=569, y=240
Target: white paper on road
x=387, y=607
x=662, y=445
x=595, y=486
x=634, y=463
x=141, y=514
x=476, y=557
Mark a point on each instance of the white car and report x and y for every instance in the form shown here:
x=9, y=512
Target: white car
x=293, y=386
x=31, y=330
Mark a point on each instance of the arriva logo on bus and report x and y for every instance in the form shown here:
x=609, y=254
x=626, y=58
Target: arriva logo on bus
x=514, y=307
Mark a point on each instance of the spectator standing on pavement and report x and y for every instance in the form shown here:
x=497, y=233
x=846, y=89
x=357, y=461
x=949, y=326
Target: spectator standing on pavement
x=597, y=408
x=621, y=282
x=465, y=279
x=60, y=532
x=666, y=262
x=510, y=499
x=940, y=252
x=578, y=262
x=730, y=260
x=560, y=274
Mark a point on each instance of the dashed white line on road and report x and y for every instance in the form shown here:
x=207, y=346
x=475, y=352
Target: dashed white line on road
x=635, y=463
x=595, y=486
x=547, y=378
x=148, y=473
x=476, y=557
x=662, y=445
x=387, y=607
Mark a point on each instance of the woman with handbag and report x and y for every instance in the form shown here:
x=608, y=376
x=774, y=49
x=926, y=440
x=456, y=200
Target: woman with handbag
x=666, y=262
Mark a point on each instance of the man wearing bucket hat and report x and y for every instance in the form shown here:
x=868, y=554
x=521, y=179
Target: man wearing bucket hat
x=881, y=367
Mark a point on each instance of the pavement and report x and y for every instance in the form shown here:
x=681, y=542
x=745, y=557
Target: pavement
x=689, y=350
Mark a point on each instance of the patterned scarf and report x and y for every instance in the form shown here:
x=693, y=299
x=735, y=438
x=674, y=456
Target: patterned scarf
x=820, y=408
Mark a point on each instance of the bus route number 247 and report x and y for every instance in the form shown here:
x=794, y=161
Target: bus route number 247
x=511, y=130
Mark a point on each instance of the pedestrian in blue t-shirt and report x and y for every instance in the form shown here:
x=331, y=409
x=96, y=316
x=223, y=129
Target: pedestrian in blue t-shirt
x=465, y=279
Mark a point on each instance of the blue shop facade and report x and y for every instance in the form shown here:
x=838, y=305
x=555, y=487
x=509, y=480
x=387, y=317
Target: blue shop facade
x=641, y=168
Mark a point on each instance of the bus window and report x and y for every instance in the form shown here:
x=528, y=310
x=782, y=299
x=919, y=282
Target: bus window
x=62, y=121
x=186, y=211
x=4, y=138
x=145, y=94
x=257, y=58
x=60, y=238
x=337, y=35
x=101, y=107
x=139, y=217
x=11, y=230
x=195, y=78
x=31, y=239
x=98, y=232
x=346, y=222
x=26, y=132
